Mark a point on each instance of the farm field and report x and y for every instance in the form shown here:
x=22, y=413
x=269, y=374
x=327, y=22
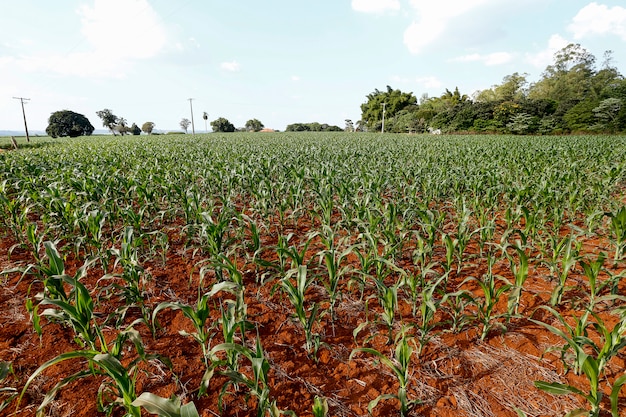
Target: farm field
x=314, y=274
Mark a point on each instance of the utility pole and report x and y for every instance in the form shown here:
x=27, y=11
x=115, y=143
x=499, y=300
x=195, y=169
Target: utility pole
x=193, y=129
x=383, y=130
x=22, y=99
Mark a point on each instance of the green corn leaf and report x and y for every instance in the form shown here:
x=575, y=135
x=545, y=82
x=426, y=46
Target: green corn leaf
x=617, y=386
x=164, y=407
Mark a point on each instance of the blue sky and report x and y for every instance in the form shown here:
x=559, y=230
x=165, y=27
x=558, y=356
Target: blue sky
x=279, y=61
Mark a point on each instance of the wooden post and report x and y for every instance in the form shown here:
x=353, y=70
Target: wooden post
x=14, y=142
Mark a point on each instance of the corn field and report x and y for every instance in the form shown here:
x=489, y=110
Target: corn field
x=314, y=274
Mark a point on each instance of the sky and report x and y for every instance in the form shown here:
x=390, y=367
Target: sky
x=278, y=61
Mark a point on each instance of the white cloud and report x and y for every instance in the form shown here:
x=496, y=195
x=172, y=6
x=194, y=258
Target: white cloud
x=496, y=58
x=232, y=66
x=130, y=29
x=295, y=78
x=545, y=57
x=117, y=33
x=430, y=82
x=598, y=19
x=375, y=6
x=433, y=20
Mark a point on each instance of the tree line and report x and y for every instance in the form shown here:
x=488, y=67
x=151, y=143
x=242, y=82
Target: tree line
x=572, y=95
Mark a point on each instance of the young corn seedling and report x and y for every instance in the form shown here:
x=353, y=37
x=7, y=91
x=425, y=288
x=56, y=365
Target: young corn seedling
x=491, y=295
x=400, y=365
x=592, y=271
x=232, y=322
x=335, y=270
x=320, y=407
x=120, y=382
x=258, y=384
x=428, y=307
x=76, y=312
x=296, y=294
x=520, y=272
x=454, y=304
x=563, y=257
x=388, y=300
x=618, y=230
x=590, y=358
x=416, y=282
x=198, y=315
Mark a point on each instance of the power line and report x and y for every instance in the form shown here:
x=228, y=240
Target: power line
x=22, y=100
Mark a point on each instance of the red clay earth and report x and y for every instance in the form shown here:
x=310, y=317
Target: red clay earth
x=457, y=374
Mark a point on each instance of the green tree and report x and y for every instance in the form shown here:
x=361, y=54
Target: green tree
x=607, y=113
x=68, y=123
x=512, y=88
x=222, y=125
x=393, y=102
x=122, y=126
x=148, y=127
x=185, y=123
x=254, y=125
x=134, y=129
x=569, y=79
x=109, y=120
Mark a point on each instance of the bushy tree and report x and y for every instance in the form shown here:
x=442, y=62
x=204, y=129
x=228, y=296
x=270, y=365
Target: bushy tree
x=68, y=123
x=392, y=101
x=254, y=125
x=222, y=125
x=122, y=126
x=312, y=127
x=148, y=127
x=109, y=120
x=134, y=129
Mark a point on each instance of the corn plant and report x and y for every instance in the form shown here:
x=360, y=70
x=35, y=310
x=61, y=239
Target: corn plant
x=335, y=270
x=320, y=407
x=400, y=366
x=520, y=273
x=388, y=300
x=76, y=312
x=198, y=315
x=491, y=294
x=7, y=394
x=454, y=303
x=107, y=363
x=258, y=384
x=564, y=255
x=296, y=294
x=618, y=230
x=592, y=271
x=591, y=364
x=429, y=305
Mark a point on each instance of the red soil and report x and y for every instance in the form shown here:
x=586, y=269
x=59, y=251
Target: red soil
x=457, y=374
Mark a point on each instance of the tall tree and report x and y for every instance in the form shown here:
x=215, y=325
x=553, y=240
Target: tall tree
x=392, y=101
x=254, y=125
x=122, y=126
x=185, y=123
x=109, y=120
